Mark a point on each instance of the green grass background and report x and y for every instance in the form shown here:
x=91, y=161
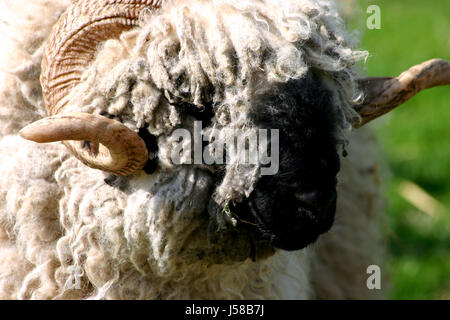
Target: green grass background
x=415, y=140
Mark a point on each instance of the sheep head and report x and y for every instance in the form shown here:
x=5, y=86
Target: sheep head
x=111, y=146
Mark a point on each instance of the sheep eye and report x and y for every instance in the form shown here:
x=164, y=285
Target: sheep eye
x=151, y=143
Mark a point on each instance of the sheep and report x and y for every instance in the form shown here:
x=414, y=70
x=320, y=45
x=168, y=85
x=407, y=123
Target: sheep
x=142, y=227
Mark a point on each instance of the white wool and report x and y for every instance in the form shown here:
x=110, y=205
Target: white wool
x=64, y=233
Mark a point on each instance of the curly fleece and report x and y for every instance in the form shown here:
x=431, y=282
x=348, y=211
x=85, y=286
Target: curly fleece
x=65, y=233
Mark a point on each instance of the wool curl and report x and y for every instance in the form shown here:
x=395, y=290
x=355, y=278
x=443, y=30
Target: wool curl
x=64, y=233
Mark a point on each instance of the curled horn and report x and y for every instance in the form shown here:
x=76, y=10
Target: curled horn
x=105, y=144
x=71, y=46
x=383, y=94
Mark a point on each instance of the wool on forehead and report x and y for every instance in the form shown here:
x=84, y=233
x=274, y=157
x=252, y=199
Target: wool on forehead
x=221, y=52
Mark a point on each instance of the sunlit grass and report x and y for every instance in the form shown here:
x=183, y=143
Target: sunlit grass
x=415, y=140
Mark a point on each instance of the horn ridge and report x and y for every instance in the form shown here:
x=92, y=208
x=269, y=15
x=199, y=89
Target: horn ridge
x=72, y=45
x=77, y=34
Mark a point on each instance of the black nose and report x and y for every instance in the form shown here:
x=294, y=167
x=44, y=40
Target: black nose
x=317, y=200
x=298, y=221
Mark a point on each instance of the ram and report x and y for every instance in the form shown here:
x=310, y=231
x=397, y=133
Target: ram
x=108, y=214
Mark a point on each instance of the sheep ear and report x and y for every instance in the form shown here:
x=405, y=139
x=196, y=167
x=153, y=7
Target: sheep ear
x=382, y=94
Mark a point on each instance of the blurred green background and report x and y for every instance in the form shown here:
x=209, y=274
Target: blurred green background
x=415, y=140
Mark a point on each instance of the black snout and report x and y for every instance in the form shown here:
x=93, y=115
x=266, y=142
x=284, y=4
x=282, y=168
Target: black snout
x=317, y=201
x=314, y=216
x=293, y=207
x=292, y=222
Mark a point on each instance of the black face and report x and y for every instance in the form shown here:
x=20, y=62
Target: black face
x=293, y=207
